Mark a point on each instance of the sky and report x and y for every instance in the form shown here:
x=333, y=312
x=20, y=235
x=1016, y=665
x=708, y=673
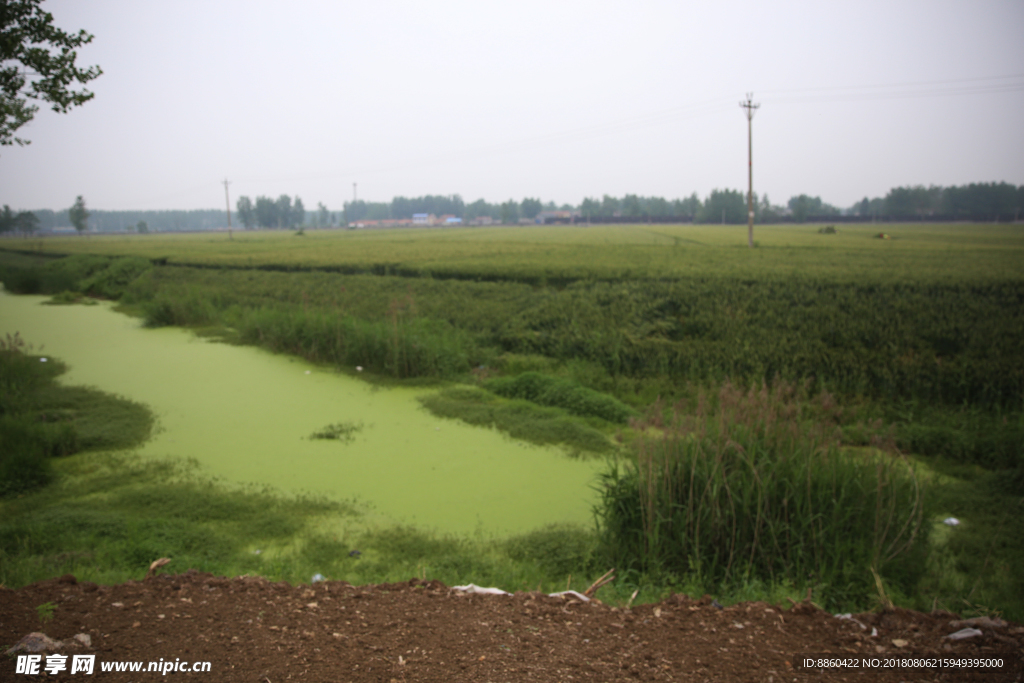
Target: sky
x=554, y=99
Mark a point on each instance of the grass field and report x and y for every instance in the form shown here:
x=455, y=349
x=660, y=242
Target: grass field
x=558, y=254
x=909, y=346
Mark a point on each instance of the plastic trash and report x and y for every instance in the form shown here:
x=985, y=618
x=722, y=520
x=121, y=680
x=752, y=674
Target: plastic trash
x=964, y=633
x=359, y=368
x=579, y=596
x=354, y=553
x=849, y=617
x=42, y=360
x=317, y=578
x=951, y=521
x=307, y=372
x=473, y=588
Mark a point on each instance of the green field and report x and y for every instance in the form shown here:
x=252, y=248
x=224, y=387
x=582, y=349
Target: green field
x=558, y=254
x=908, y=346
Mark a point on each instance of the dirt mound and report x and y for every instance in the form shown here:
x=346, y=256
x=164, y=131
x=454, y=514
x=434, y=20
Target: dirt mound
x=251, y=629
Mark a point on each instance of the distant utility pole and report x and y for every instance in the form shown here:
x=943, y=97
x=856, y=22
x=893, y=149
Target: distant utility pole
x=353, y=193
x=750, y=107
x=227, y=202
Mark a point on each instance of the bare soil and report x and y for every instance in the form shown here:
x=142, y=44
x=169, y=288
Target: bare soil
x=251, y=629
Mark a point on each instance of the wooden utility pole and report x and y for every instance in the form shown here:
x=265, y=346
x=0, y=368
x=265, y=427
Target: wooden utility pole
x=227, y=202
x=750, y=107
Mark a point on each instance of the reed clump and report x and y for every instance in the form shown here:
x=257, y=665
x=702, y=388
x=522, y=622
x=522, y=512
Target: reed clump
x=754, y=485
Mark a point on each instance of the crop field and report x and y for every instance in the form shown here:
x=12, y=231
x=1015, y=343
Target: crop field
x=802, y=415
x=560, y=254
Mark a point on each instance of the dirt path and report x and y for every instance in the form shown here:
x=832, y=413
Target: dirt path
x=251, y=629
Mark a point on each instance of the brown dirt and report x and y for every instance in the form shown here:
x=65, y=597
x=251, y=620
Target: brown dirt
x=251, y=629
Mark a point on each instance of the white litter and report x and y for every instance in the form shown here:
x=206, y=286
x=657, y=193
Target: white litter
x=42, y=360
x=307, y=372
x=951, y=521
x=317, y=578
x=578, y=596
x=473, y=588
x=849, y=617
x=359, y=368
x=964, y=633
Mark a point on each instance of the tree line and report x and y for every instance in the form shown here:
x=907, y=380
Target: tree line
x=976, y=201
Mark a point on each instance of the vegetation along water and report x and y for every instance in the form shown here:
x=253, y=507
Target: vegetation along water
x=803, y=415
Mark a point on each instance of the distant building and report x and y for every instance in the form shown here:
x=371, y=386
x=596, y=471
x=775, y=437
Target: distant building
x=422, y=219
x=482, y=220
x=451, y=220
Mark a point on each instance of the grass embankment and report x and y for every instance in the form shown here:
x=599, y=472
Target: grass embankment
x=917, y=337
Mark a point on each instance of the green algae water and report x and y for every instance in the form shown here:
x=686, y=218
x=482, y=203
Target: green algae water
x=246, y=415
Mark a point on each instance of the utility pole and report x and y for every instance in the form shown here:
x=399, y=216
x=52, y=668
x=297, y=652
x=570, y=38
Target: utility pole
x=750, y=107
x=227, y=202
x=353, y=193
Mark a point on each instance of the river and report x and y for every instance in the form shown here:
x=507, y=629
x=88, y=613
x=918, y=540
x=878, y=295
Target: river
x=246, y=414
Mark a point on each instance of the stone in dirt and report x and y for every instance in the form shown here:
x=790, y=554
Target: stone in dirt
x=40, y=642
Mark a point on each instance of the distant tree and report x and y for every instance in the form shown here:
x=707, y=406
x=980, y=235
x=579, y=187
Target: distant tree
x=142, y=227
x=723, y=206
x=481, y=208
x=284, y=211
x=246, y=212
x=981, y=201
x=266, y=212
x=609, y=206
x=298, y=213
x=26, y=222
x=78, y=215
x=765, y=212
x=31, y=46
x=6, y=220
x=687, y=208
x=529, y=208
x=510, y=212
x=323, y=216
x=803, y=206
x=590, y=208
x=355, y=211
x=658, y=207
x=631, y=207
x=917, y=201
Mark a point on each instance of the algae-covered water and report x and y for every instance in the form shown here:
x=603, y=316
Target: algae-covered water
x=246, y=415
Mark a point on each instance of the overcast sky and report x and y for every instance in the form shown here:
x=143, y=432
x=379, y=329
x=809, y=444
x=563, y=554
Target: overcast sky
x=552, y=99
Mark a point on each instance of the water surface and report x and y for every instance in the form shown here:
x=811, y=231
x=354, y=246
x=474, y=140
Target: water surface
x=245, y=415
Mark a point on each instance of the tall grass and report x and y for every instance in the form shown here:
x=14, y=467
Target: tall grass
x=401, y=346
x=41, y=420
x=754, y=486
